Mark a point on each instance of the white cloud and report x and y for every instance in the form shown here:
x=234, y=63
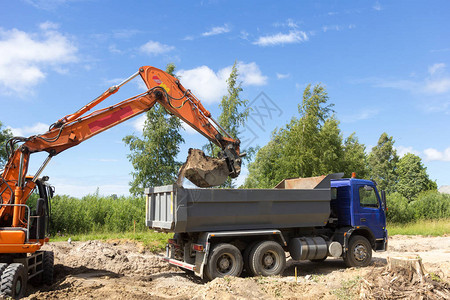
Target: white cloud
x=113, y=49
x=434, y=154
x=207, y=85
x=26, y=131
x=250, y=74
x=139, y=123
x=437, y=86
x=25, y=57
x=217, y=30
x=244, y=35
x=289, y=23
x=210, y=86
x=294, y=36
x=402, y=151
x=125, y=33
x=155, y=48
x=283, y=76
x=377, y=6
x=331, y=27
x=48, y=26
x=436, y=68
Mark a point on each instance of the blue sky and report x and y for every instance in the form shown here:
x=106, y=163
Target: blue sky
x=385, y=65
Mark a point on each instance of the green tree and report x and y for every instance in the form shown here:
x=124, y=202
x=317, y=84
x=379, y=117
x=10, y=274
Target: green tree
x=355, y=159
x=233, y=116
x=153, y=155
x=382, y=162
x=266, y=169
x=412, y=177
x=330, y=150
x=5, y=135
x=308, y=146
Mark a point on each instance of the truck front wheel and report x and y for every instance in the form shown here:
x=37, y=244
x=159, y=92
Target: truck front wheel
x=267, y=258
x=359, y=252
x=224, y=260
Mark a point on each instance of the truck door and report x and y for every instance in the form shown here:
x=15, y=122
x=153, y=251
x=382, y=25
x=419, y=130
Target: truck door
x=369, y=211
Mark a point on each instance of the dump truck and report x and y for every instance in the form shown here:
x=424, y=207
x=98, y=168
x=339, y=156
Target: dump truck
x=223, y=232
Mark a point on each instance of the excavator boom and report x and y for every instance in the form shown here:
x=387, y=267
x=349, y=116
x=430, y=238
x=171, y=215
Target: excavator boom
x=75, y=128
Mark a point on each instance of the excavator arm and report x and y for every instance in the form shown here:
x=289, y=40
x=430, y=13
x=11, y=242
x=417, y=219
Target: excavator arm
x=75, y=128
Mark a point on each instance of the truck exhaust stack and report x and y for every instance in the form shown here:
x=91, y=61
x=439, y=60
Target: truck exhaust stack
x=202, y=170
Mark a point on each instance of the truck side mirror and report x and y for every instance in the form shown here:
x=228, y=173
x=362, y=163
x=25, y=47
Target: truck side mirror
x=383, y=200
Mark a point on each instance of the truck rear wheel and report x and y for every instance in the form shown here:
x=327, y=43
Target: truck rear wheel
x=359, y=252
x=224, y=260
x=14, y=281
x=267, y=258
x=246, y=257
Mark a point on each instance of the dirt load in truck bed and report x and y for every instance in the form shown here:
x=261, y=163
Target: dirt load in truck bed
x=121, y=269
x=202, y=170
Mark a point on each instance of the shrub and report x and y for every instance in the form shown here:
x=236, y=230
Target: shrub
x=429, y=205
x=399, y=210
x=94, y=213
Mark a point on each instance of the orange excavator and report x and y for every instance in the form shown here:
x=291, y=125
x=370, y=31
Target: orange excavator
x=23, y=232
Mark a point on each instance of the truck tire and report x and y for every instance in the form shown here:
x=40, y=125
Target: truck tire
x=224, y=260
x=48, y=267
x=14, y=281
x=3, y=267
x=267, y=258
x=246, y=257
x=359, y=252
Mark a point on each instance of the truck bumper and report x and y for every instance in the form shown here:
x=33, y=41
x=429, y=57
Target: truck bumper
x=180, y=263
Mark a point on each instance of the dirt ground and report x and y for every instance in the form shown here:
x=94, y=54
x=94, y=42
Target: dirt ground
x=123, y=270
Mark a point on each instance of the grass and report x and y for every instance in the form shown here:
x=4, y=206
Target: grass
x=347, y=289
x=421, y=227
x=152, y=240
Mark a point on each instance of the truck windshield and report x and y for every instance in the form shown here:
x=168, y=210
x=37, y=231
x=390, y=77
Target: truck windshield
x=367, y=197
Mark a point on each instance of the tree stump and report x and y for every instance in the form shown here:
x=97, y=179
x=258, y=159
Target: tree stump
x=410, y=265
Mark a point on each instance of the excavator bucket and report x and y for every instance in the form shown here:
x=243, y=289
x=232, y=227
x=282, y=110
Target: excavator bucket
x=203, y=171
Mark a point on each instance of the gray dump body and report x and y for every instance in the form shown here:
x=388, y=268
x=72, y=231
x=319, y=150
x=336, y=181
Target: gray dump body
x=176, y=209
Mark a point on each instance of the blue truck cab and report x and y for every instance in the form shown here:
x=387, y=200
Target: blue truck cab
x=360, y=210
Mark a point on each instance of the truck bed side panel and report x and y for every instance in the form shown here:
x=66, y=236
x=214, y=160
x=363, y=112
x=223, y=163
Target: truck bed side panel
x=196, y=210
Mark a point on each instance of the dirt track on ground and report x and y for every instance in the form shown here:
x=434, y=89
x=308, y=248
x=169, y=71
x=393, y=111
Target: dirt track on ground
x=124, y=270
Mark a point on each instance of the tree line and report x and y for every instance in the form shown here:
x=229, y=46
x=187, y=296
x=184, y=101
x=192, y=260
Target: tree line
x=312, y=144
